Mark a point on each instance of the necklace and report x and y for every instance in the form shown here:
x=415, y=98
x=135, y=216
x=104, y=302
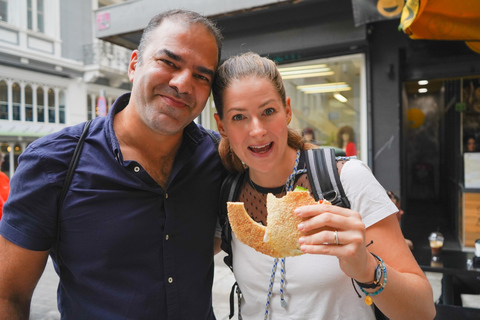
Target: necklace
x=288, y=187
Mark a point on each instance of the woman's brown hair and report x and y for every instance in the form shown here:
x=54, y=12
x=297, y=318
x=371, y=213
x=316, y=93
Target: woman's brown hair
x=242, y=66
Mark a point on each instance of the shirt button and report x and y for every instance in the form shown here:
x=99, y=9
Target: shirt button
x=166, y=195
x=170, y=280
x=166, y=237
x=136, y=169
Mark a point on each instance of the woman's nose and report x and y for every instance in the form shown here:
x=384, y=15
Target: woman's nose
x=257, y=127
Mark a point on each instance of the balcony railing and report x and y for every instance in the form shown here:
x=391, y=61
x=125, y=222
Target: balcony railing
x=107, y=55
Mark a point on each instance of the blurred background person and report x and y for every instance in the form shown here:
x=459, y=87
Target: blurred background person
x=4, y=185
x=309, y=136
x=470, y=144
x=396, y=200
x=346, y=140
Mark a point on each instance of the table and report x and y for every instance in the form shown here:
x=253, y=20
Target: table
x=445, y=312
x=452, y=262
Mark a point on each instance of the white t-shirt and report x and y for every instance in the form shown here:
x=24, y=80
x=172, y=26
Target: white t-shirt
x=315, y=287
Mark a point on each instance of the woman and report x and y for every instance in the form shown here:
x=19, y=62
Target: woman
x=346, y=140
x=252, y=117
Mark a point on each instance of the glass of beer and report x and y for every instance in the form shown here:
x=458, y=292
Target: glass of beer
x=436, y=244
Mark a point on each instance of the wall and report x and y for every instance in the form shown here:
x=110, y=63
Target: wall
x=76, y=27
x=384, y=59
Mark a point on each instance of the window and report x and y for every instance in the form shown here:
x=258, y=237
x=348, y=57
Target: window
x=4, y=10
x=327, y=99
x=36, y=15
x=327, y=96
x=89, y=107
x=40, y=16
x=40, y=105
x=29, y=15
x=28, y=103
x=3, y=100
x=16, y=104
x=51, y=106
x=61, y=107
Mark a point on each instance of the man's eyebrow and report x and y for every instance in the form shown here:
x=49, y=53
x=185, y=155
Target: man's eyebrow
x=172, y=55
x=177, y=58
x=207, y=71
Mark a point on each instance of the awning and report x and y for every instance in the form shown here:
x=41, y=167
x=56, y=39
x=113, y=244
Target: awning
x=443, y=20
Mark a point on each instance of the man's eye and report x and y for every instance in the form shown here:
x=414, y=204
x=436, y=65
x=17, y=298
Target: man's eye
x=203, y=78
x=168, y=62
x=237, y=117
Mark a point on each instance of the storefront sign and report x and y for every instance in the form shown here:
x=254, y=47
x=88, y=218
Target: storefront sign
x=365, y=11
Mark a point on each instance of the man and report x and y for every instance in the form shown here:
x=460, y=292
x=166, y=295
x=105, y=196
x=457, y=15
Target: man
x=137, y=225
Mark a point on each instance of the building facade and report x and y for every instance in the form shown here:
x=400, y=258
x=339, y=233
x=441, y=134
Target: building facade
x=403, y=98
x=53, y=71
x=409, y=103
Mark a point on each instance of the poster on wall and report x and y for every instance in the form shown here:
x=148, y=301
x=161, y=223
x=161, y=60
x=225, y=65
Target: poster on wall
x=472, y=170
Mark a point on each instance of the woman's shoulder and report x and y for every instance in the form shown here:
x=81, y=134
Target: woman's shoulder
x=355, y=166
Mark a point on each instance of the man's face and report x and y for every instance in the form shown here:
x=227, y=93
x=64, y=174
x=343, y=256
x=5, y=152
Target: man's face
x=172, y=83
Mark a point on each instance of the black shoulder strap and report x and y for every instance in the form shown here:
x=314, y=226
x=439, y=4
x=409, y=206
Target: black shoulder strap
x=214, y=138
x=228, y=192
x=323, y=175
x=68, y=180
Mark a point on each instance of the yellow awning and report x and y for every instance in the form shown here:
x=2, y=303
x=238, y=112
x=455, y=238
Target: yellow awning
x=441, y=19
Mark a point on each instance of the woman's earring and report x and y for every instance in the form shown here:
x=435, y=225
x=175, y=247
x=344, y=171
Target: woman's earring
x=288, y=120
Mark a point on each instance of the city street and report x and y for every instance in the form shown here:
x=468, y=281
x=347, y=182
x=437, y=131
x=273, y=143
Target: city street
x=44, y=304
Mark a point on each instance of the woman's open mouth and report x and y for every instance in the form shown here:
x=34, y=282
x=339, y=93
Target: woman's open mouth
x=261, y=149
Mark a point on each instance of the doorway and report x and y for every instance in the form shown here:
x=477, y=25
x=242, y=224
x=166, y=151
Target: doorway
x=431, y=160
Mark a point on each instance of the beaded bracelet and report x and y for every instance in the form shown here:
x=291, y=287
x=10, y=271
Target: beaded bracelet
x=368, y=298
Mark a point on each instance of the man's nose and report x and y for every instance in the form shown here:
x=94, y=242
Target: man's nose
x=182, y=81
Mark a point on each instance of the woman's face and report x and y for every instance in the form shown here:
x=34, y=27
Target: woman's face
x=471, y=146
x=255, y=122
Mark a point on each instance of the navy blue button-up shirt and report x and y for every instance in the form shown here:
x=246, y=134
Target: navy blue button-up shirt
x=128, y=248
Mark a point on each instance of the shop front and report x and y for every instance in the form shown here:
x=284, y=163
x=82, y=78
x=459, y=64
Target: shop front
x=441, y=167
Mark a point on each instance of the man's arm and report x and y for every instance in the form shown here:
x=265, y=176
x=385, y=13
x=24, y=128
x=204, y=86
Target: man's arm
x=20, y=270
x=216, y=245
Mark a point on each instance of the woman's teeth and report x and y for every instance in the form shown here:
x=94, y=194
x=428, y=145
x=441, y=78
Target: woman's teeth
x=261, y=149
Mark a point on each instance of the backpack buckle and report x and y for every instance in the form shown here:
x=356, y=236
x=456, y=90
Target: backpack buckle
x=330, y=196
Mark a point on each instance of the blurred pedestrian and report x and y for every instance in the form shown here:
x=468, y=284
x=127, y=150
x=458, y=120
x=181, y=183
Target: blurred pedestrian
x=396, y=200
x=4, y=185
x=470, y=144
x=308, y=136
x=346, y=140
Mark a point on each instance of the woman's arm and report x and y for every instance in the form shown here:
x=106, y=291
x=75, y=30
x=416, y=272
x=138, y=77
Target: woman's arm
x=407, y=294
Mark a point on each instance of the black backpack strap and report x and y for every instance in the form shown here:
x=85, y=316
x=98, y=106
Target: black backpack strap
x=228, y=192
x=215, y=139
x=323, y=175
x=66, y=184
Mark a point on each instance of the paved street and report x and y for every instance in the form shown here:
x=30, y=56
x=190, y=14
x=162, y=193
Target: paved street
x=44, y=304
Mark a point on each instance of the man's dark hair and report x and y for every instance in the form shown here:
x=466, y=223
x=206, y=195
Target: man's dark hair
x=185, y=16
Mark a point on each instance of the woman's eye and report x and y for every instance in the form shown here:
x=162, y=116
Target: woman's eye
x=237, y=117
x=269, y=111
